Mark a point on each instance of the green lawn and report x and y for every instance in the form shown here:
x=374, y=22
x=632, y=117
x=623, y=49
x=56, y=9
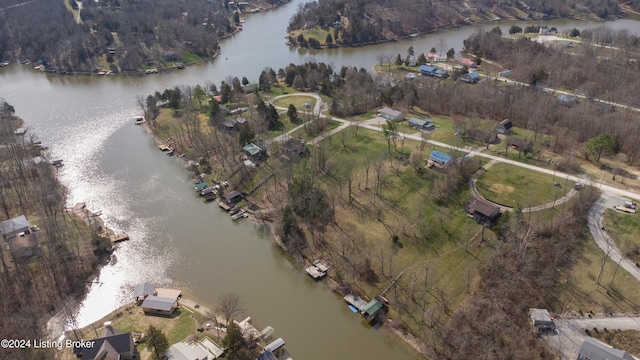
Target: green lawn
x=189, y=57
x=625, y=231
x=297, y=101
x=516, y=186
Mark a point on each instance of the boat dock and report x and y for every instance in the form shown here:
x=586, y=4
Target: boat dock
x=355, y=301
x=318, y=269
x=224, y=206
x=118, y=238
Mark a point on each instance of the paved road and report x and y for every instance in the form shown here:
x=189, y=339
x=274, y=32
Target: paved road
x=602, y=238
x=317, y=109
x=571, y=332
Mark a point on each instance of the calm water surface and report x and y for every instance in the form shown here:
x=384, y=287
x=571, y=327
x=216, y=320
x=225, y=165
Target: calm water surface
x=177, y=240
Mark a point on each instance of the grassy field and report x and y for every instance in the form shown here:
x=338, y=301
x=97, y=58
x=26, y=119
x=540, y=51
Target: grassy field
x=316, y=32
x=577, y=290
x=189, y=57
x=297, y=101
x=432, y=238
x=515, y=186
x=625, y=231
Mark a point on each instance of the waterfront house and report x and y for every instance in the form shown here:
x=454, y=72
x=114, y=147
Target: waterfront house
x=593, y=349
x=422, y=124
x=203, y=349
x=12, y=227
x=541, y=320
x=482, y=211
x=111, y=345
x=435, y=57
x=156, y=305
x=390, y=114
x=505, y=127
x=232, y=197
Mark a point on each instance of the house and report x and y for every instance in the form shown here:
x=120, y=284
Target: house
x=25, y=245
x=390, y=114
x=309, y=24
x=371, y=309
x=249, y=88
x=203, y=349
x=593, y=349
x=240, y=122
x=111, y=345
x=412, y=60
x=435, y=57
x=439, y=159
x=12, y=227
x=427, y=70
x=422, y=124
x=293, y=148
x=471, y=78
x=156, y=305
x=505, y=127
x=141, y=291
x=487, y=137
x=541, y=320
x=482, y=211
x=439, y=73
x=232, y=197
x=252, y=150
x=229, y=124
x=505, y=73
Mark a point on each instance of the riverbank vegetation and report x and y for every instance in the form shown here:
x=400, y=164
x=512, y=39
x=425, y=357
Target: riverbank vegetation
x=50, y=259
x=364, y=22
x=363, y=198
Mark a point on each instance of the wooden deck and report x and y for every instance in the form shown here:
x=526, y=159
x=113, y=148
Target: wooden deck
x=118, y=238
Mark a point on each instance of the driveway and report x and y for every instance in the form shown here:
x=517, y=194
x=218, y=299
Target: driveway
x=571, y=332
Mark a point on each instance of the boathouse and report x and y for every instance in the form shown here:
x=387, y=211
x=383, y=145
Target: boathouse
x=371, y=309
x=232, y=197
x=141, y=291
x=156, y=305
x=274, y=345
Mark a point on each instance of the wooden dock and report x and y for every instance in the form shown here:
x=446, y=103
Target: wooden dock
x=318, y=269
x=224, y=206
x=118, y=238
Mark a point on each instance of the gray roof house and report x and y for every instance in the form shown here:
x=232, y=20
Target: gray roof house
x=12, y=227
x=293, y=147
x=593, y=349
x=112, y=345
x=390, y=114
x=422, y=124
x=541, y=320
x=156, y=305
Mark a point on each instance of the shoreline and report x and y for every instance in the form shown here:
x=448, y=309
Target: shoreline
x=432, y=31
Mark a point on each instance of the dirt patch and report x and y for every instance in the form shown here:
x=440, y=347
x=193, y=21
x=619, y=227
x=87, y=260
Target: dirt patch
x=501, y=188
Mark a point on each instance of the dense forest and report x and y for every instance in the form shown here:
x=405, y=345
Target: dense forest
x=359, y=22
x=64, y=37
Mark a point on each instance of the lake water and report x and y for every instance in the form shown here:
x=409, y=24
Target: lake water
x=177, y=240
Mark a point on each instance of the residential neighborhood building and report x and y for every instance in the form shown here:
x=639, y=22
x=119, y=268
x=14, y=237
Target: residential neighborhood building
x=111, y=345
x=593, y=349
x=422, y=124
x=12, y=227
x=156, y=305
x=471, y=78
x=293, y=148
x=203, y=349
x=505, y=127
x=541, y=320
x=439, y=159
x=482, y=211
x=232, y=197
x=427, y=70
x=435, y=57
x=391, y=114
x=253, y=150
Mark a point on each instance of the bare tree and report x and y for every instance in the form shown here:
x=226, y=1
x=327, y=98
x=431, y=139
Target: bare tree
x=229, y=305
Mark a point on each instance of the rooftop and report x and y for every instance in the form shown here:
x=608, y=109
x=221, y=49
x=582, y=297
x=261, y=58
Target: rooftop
x=440, y=157
x=390, y=111
x=14, y=224
x=593, y=349
x=252, y=149
x=158, y=303
x=274, y=345
x=144, y=289
x=482, y=206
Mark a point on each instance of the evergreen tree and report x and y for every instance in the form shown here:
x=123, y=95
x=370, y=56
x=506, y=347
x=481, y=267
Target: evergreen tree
x=292, y=113
x=233, y=340
x=157, y=341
